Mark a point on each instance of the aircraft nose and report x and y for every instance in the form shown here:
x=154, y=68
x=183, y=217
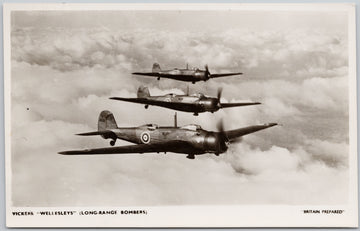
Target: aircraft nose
x=215, y=103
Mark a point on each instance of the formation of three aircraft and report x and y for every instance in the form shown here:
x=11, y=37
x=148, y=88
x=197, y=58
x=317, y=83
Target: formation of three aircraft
x=190, y=139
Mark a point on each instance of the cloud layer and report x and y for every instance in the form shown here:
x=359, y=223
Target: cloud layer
x=62, y=78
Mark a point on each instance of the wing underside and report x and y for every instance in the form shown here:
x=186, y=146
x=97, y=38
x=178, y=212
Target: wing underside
x=171, y=146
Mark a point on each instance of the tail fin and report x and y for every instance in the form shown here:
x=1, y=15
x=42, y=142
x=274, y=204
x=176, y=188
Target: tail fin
x=156, y=68
x=143, y=92
x=106, y=121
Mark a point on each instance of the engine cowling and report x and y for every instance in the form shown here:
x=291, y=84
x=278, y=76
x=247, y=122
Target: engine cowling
x=210, y=104
x=214, y=142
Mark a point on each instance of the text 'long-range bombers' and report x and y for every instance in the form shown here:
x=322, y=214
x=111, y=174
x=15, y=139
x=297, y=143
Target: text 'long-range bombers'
x=188, y=75
x=190, y=139
x=195, y=103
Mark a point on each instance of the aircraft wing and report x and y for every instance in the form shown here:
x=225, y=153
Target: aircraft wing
x=173, y=105
x=238, y=104
x=134, y=100
x=170, y=146
x=146, y=73
x=225, y=74
x=96, y=133
x=233, y=134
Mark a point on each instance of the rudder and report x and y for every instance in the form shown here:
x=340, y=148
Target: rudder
x=106, y=121
x=143, y=92
x=156, y=68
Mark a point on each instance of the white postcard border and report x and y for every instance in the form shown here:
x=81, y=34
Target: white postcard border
x=191, y=216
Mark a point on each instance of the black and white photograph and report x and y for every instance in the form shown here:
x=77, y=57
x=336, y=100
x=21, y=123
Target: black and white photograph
x=180, y=115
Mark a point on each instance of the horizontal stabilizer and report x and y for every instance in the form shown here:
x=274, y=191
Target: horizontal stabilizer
x=97, y=133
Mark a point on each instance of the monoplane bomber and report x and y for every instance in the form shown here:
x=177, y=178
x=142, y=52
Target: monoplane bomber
x=190, y=139
x=195, y=103
x=187, y=74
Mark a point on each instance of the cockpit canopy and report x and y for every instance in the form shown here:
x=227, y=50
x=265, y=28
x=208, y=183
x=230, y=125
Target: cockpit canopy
x=192, y=127
x=152, y=126
x=199, y=95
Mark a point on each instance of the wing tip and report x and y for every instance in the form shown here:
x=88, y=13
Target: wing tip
x=271, y=124
x=75, y=152
x=137, y=73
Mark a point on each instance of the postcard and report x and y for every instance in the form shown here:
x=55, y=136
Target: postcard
x=180, y=115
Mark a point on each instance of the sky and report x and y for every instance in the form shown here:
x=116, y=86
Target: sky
x=65, y=66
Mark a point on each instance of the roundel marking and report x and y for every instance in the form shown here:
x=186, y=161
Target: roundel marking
x=145, y=137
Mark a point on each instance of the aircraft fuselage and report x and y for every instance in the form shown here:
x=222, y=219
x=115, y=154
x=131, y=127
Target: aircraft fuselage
x=199, y=141
x=184, y=75
x=191, y=103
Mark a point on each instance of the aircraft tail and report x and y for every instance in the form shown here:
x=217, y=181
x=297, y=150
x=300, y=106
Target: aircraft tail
x=106, y=121
x=156, y=68
x=143, y=92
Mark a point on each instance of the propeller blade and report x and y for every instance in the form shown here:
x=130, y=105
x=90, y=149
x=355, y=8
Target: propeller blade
x=220, y=126
x=223, y=139
x=207, y=72
x=219, y=93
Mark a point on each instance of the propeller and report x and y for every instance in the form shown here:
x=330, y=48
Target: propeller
x=220, y=126
x=223, y=139
x=219, y=93
x=222, y=133
x=207, y=72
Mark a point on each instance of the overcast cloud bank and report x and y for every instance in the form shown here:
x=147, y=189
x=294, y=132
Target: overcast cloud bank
x=62, y=78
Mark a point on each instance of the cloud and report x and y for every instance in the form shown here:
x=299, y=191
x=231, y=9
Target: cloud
x=79, y=180
x=62, y=78
x=297, y=52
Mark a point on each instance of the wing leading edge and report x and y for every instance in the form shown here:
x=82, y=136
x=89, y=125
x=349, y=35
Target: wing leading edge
x=171, y=146
x=224, y=105
x=233, y=134
x=225, y=74
x=152, y=102
x=154, y=74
